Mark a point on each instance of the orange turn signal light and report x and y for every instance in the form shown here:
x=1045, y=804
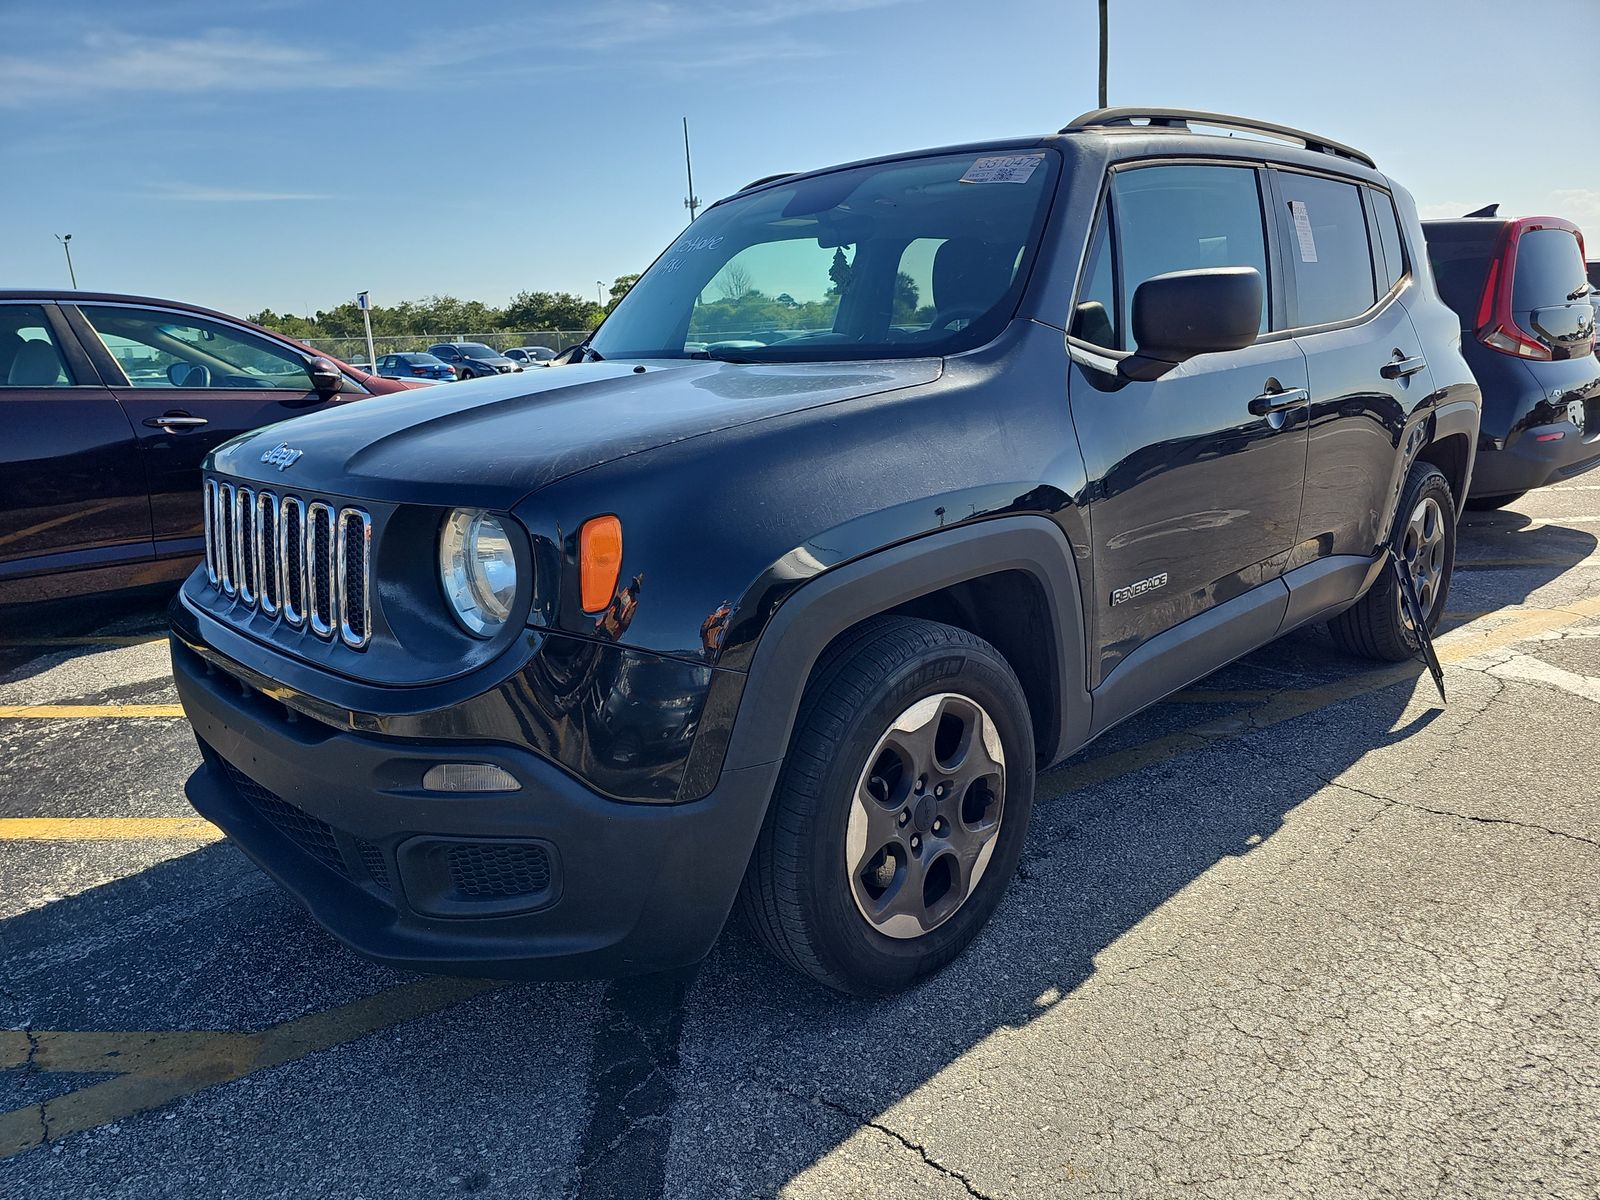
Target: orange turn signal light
x=599, y=561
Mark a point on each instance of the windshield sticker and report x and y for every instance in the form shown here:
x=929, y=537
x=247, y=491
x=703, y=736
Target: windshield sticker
x=1006, y=168
x=1302, y=230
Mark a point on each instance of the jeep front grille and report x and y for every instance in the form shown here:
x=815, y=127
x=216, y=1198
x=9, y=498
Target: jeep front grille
x=304, y=563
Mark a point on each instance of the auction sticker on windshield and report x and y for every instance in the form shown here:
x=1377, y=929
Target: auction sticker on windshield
x=1006, y=168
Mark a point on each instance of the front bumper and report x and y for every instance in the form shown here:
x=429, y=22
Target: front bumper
x=552, y=881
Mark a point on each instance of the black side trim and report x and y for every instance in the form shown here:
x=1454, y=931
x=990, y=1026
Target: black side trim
x=824, y=608
x=1190, y=651
x=1323, y=587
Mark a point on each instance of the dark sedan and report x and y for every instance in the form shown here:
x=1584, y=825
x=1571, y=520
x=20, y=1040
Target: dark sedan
x=109, y=403
x=472, y=359
x=415, y=366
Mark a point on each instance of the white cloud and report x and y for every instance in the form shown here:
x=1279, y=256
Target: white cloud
x=1582, y=207
x=209, y=194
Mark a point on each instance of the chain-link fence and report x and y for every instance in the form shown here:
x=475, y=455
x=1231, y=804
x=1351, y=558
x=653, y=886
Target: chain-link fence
x=352, y=350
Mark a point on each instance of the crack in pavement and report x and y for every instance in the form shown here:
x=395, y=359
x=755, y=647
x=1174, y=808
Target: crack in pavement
x=30, y=1064
x=863, y=1120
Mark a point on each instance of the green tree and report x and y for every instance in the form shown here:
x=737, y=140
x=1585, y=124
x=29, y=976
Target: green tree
x=620, y=288
x=839, y=272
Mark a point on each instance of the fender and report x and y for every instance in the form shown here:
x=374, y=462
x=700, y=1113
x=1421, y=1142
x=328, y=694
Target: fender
x=748, y=720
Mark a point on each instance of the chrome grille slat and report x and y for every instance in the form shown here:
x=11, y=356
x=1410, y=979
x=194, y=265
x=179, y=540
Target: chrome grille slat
x=291, y=559
x=305, y=563
x=320, y=567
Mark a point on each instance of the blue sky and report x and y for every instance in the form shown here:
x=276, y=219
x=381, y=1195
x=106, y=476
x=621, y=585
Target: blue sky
x=286, y=154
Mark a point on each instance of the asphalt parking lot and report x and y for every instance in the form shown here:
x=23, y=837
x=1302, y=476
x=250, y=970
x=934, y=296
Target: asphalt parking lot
x=1295, y=932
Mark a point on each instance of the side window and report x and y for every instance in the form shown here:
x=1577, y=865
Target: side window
x=1389, y=237
x=1094, y=315
x=1181, y=218
x=174, y=350
x=28, y=354
x=1325, y=242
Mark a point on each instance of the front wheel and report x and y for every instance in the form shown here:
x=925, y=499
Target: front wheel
x=901, y=811
x=1424, y=536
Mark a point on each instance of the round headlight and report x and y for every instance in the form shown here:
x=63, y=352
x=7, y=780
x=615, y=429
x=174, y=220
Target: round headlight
x=478, y=570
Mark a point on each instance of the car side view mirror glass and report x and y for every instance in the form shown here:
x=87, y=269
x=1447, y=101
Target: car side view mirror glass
x=1182, y=314
x=326, y=378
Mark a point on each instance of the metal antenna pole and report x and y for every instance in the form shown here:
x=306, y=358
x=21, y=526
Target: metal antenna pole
x=66, y=244
x=693, y=202
x=1103, y=53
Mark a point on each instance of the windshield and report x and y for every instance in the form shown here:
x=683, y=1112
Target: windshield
x=477, y=350
x=922, y=256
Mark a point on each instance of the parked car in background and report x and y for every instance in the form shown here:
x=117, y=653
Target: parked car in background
x=109, y=403
x=531, y=356
x=415, y=365
x=1519, y=289
x=617, y=646
x=473, y=359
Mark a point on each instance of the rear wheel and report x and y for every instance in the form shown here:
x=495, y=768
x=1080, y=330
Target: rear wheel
x=901, y=811
x=1425, y=538
x=1490, y=503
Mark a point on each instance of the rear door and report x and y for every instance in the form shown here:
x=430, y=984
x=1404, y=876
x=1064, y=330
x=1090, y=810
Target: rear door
x=72, y=489
x=1365, y=359
x=1195, y=477
x=189, y=383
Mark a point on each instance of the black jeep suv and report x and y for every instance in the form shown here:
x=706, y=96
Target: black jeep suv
x=887, y=486
x=1528, y=332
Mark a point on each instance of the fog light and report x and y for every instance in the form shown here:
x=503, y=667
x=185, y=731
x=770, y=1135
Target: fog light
x=469, y=777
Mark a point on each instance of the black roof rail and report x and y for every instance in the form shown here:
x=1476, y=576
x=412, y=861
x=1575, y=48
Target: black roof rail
x=1180, y=118
x=765, y=179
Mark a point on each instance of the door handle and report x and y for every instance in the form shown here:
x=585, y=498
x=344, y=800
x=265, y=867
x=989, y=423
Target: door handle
x=1271, y=402
x=173, y=421
x=1401, y=367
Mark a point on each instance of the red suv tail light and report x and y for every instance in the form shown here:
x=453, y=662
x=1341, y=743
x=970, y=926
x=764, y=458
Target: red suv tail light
x=1497, y=324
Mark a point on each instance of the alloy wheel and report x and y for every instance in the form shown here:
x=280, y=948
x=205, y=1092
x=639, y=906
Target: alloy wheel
x=925, y=815
x=1422, y=546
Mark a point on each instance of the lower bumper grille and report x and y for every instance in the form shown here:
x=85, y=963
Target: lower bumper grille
x=312, y=834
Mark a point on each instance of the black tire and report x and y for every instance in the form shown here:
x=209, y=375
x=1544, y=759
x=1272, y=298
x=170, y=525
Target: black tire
x=1373, y=627
x=1490, y=503
x=464, y=373
x=799, y=893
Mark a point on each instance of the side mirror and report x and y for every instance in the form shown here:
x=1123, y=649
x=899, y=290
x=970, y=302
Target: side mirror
x=1185, y=313
x=326, y=378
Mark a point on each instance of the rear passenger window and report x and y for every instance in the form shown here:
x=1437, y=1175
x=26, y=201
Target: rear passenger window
x=1182, y=218
x=28, y=354
x=1325, y=240
x=1389, y=237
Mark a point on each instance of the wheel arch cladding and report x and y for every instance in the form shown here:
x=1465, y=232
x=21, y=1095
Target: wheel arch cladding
x=1025, y=564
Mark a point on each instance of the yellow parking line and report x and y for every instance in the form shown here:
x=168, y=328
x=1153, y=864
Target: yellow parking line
x=88, y=510
x=57, y=712
x=107, y=829
x=155, y=1068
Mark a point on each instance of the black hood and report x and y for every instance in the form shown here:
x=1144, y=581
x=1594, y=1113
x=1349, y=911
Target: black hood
x=490, y=442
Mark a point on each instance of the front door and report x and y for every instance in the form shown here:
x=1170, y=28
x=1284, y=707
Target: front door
x=72, y=490
x=1196, y=477
x=191, y=384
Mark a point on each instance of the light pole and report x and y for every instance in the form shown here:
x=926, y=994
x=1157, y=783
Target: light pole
x=1103, y=52
x=600, y=292
x=66, y=244
x=693, y=202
